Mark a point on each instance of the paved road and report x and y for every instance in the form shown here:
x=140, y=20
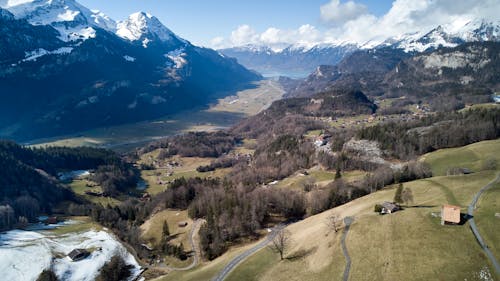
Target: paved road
x=241, y=257
x=347, y=221
x=473, y=226
x=194, y=246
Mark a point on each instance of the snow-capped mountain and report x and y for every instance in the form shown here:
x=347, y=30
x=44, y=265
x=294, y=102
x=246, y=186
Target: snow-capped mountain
x=72, y=20
x=300, y=60
x=145, y=28
x=293, y=61
x=450, y=35
x=73, y=69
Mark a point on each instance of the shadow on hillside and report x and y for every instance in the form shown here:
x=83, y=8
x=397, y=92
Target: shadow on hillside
x=301, y=254
x=420, y=206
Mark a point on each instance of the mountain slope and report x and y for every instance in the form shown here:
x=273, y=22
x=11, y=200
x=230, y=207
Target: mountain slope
x=468, y=73
x=363, y=70
x=455, y=76
x=53, y=84
x=293, y=61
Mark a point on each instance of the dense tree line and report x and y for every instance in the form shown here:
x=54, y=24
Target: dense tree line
x=275, y=159
x=406, y=139
x=115, y=179
x=54, y=159
x=222, y=162
x=28, y=183
x=199, y=144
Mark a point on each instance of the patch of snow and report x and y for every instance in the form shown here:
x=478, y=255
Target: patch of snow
x=177, y=56
x=74, y=34
x=145, y=42
x=157, y=100
x=42, y=250
x=67, y=15
x=12, y=3
x=34, y=55
x=129, y=58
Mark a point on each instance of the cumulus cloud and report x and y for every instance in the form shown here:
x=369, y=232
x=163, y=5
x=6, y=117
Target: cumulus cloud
x=351, y=22
x=408, y=16
x=244, y=34
x=305, y=35
x=336, y=12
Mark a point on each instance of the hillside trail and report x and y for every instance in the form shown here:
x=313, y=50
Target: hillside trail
x=347, y=221
x=475, y=231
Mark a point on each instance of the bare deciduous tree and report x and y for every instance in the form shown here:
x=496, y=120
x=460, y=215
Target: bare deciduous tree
x=281, y=242
x=407, y=196
x=334, y=222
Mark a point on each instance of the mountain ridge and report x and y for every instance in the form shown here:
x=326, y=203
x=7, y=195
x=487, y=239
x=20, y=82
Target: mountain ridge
x=94, y=78
x=305, y=58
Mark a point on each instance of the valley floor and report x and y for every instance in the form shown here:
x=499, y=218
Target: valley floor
x=225, y=113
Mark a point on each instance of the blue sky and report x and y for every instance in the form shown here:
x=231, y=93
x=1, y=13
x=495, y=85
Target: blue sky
x=278, y=23
x=202, y=20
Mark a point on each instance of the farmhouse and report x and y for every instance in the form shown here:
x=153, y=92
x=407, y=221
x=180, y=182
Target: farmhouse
x=389, y=208
x=78, y=254
x=450, y=214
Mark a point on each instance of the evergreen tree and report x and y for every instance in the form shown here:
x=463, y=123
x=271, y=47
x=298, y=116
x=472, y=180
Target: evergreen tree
x=338, y=175
x=166, y=231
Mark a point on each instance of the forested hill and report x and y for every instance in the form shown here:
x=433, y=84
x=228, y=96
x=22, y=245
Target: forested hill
x=28, y=178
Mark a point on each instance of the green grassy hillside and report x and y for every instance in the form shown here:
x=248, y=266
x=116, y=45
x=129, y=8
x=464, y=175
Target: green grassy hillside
x=407, y=245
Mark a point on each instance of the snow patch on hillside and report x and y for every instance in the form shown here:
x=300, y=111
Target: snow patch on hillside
x=177, y=56
x=129, y=58
x=41, y=250
x=34, y=55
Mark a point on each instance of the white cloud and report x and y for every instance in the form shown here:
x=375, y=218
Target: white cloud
x=244, y=34
x=217, y=42
x=409, y=16
x=335, y=12
x=306, y=35
x=351, y=22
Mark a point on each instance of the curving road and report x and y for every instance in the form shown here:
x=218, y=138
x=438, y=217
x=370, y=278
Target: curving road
x=347, y=221
x=473, y=226
x=194, y=246
x=241, y=257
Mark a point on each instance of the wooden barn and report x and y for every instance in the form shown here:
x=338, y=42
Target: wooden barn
x=450, y=214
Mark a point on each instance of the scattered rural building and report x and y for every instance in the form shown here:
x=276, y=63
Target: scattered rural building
x=450, y=214
x=389, y=208
x=182, y=224
x=78, y=254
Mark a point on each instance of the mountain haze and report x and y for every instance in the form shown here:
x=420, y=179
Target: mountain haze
x=65, y=68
